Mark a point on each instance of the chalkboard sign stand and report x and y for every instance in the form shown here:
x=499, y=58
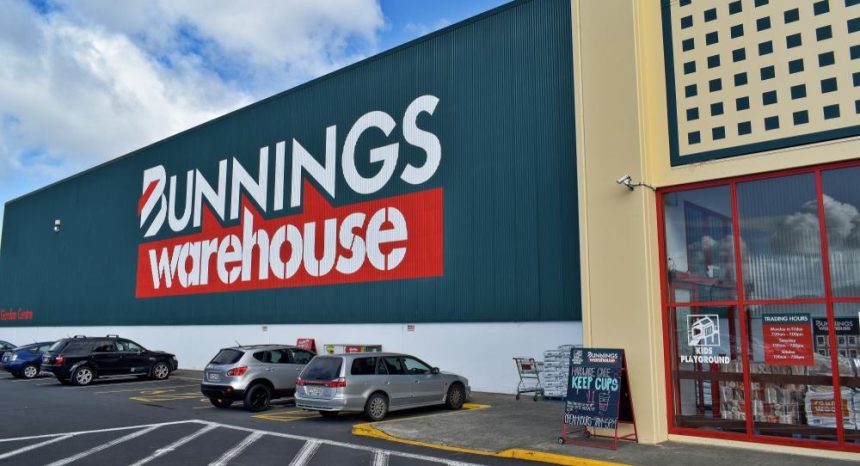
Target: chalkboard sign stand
x=588, y=435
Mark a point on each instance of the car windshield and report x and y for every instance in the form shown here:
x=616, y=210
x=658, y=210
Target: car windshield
x=322, y=368
x=227, y=356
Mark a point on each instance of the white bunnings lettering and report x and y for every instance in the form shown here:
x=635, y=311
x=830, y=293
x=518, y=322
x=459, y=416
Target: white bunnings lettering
x=233, y=255
x=178, y=199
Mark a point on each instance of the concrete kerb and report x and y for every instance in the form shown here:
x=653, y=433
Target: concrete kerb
x=369, y=429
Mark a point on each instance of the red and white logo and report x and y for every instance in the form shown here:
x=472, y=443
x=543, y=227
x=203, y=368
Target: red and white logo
x=379, y=239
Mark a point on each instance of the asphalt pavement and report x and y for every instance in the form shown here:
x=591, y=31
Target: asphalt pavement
x=133, y=421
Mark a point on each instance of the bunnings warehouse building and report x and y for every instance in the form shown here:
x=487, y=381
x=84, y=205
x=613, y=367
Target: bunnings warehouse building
x=456, y=198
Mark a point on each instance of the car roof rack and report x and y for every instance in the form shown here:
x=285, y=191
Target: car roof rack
x=79, y=336
x=111, y=335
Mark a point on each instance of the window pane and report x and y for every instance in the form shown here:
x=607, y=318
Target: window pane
x=699, y=245
x=322, y=368
x=841, y=201
x=302, y=357
x=780, y=240
x=707, y=370
x=847, y=317
x=393, y=365
x=413, y=366
x=227, y=356
x=279, y=357
x=363, y=366
x=792, y=385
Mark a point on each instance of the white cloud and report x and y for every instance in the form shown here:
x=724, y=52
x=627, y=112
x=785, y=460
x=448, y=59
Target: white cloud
x=420, y=29
x=89, y=80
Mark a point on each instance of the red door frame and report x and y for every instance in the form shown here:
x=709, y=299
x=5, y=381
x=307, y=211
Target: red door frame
x=740, y=304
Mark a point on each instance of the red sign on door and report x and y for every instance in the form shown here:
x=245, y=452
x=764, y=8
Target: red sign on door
x=787, y=339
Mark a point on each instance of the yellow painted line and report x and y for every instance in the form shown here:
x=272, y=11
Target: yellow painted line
x=468, y=406
x=143, y=392
x=294, y=414
x=287, y=415
x=167, y=397
x=369, y=430
x=475, y=406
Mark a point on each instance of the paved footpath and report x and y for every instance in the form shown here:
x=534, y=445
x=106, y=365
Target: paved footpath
x=523, y=429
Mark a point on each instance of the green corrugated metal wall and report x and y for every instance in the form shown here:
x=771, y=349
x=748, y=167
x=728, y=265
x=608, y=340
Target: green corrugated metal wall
x=505, y=121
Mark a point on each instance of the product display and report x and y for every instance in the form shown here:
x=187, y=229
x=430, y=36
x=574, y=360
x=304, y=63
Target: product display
x=821, y=407
x=791, y=403
x=555, y=371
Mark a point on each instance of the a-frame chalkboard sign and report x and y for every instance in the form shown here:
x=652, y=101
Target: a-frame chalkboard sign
x=598, y=398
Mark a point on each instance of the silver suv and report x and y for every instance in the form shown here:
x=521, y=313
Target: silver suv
x=376, y=383
x=253, y=374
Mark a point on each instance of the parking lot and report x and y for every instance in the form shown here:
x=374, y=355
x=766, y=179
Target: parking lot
x=133, y=421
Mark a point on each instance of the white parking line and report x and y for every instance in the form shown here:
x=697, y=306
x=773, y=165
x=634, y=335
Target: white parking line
x=306, y=453
x=380, y=458
x=104, y=446
x=99, y=431
x=310, y=446
x=175, y=445
x=352, y=446
x=33, y=447
x=237, y=449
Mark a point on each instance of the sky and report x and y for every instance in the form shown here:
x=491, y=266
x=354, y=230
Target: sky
x=86, y=81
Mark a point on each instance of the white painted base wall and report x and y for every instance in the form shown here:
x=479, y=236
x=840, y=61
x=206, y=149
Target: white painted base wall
x=482, y=352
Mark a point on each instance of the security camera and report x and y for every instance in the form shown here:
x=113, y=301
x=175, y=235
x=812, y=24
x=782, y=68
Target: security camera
x=626, y=181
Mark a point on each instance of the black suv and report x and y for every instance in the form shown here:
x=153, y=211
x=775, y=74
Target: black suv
x=80, y=360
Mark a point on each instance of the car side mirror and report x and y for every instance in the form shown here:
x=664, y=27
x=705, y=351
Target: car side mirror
x=434, y=370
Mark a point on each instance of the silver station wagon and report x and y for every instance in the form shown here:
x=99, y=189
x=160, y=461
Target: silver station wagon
x=376, y=383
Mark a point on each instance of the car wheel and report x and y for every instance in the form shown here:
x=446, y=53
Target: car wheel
x=376, y=407
x=222, y=403
x=456, y=396
x=160, y=371
x=329, y=413
x=30, y=371
x=83, y=375
x=257, y=398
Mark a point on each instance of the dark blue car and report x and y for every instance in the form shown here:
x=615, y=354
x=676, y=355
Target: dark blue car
x=25, y=361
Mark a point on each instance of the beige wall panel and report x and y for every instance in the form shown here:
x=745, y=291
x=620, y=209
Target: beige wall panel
x=653, y=84
x=620, y=296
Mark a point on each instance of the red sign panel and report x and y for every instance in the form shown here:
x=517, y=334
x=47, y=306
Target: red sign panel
x=307, y=343
x=385, y=239
x=827, y=408
x=787, y=339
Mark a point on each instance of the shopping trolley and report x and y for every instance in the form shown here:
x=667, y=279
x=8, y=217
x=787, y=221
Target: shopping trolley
x=529, y=372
